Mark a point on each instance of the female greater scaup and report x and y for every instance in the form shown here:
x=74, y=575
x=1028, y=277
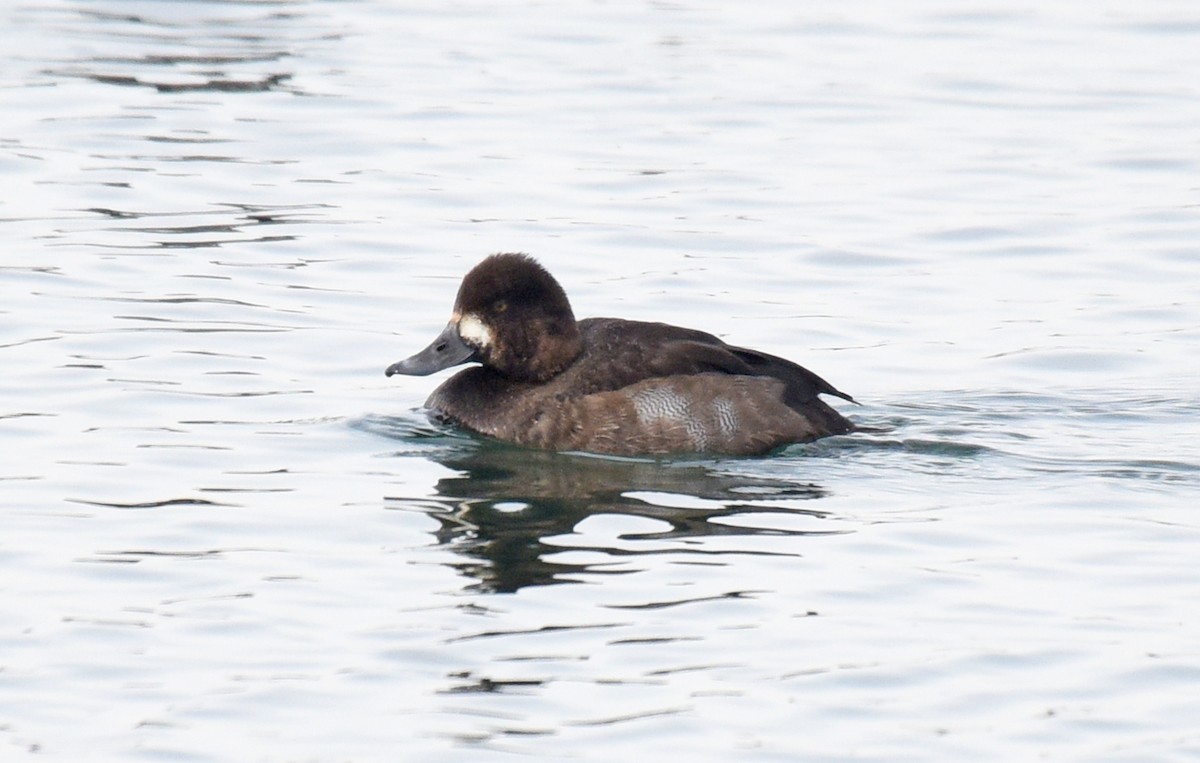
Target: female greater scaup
x=608, y=385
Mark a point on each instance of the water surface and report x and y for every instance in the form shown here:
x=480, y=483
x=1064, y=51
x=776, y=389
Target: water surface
x=226, y=536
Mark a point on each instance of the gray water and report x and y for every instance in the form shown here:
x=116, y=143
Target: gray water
x=227, y=537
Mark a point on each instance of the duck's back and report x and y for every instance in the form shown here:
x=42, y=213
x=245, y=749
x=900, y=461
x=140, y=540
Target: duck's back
x=642, y=388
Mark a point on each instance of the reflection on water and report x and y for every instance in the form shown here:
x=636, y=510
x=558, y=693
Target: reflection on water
x=504, y=504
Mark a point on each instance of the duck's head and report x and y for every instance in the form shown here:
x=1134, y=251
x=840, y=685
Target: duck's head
x=511, y=316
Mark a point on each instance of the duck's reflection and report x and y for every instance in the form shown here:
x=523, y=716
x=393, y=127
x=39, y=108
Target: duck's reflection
x=504, y=504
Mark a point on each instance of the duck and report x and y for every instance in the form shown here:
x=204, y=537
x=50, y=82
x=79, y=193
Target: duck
x=541, y=379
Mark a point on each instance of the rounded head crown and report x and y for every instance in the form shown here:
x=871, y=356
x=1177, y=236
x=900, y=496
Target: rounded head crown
x=517, y=318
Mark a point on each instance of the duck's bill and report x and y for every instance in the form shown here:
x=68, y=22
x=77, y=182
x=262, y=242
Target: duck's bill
x=445, y=351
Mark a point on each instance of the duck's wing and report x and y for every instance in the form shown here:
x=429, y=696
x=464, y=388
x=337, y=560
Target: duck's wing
x=793, y=374
x=706, y=353
x=638, y=351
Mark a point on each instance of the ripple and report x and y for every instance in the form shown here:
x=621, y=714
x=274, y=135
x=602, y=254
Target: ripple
x=166, y=502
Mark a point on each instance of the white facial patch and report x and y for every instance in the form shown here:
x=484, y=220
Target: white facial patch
x=474, y=331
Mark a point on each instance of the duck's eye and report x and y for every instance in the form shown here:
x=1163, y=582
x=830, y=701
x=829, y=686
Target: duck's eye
x=500, y=305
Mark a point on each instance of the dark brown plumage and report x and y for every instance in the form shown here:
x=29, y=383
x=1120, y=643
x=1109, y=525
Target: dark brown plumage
x=607, y=385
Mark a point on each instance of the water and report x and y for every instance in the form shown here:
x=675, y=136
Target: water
x=226, y=536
